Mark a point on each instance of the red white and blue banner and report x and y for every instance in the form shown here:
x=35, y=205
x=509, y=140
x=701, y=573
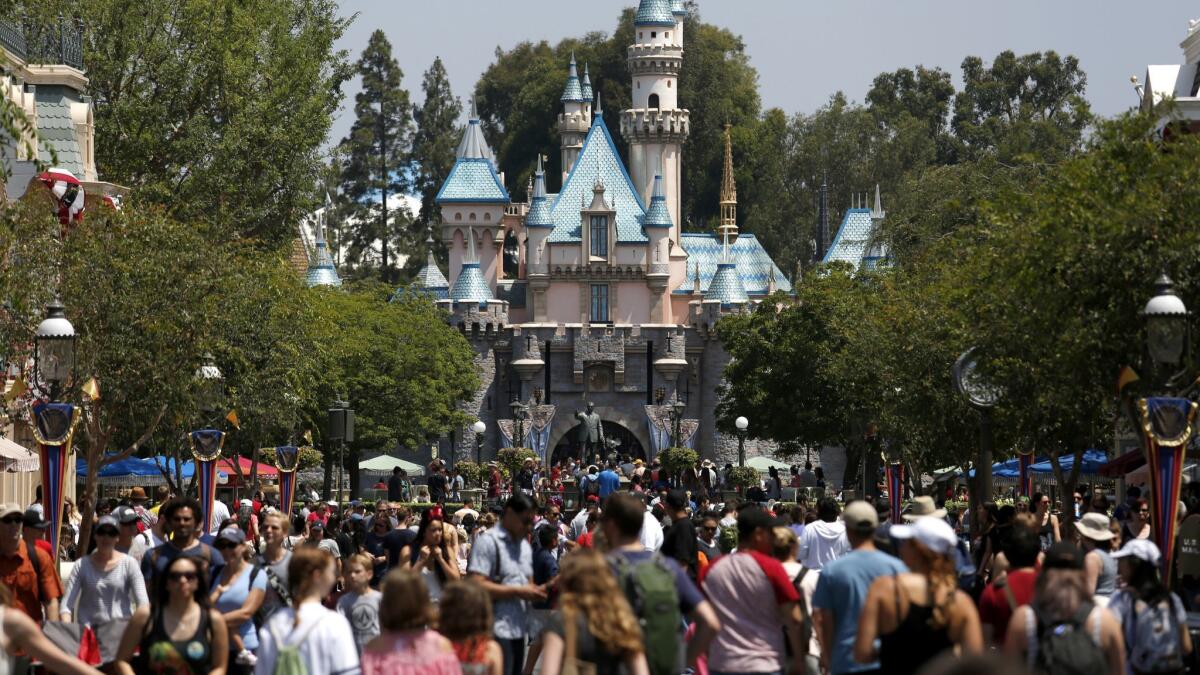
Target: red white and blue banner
x=895, y=486
x=1166, y=425
x=206, y=449
x=1025, y=461
x=287, y=458
x=54, y=429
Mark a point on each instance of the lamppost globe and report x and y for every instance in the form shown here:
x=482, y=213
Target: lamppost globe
x=1166, y=318
x=741, y=423
x=478, y=427
x=211, y=384
x=54, y=352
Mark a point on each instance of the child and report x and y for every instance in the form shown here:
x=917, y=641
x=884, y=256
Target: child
x=466, y=620
x=360, y=603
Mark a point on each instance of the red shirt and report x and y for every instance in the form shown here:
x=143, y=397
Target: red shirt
x=29, y=590
x=993, y=603
x=585, y=540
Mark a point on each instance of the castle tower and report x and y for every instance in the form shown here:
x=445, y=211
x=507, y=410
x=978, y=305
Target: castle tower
x=655, y=127
x=576, y=117
x=321, y=270
x=728, y=225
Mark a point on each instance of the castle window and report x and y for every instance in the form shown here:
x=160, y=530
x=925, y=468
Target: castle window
x=641, y=35
x=653, y=101
x=472, y=216
x=599, y=236
x=487, y=216
x=668, y=84
x=653, y=34
x=599, y=313
x=667, y=35
x=458, y=216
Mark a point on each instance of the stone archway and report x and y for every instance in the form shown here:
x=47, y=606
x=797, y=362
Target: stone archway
x=634, y=430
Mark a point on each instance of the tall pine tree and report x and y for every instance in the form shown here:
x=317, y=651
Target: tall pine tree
x=436, y=138
x=375, y=154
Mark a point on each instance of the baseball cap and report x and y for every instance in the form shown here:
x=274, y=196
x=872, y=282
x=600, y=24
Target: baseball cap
x=125, y=514
x=934, y=534
x=331, y=503
x=860, y=517
x=1142, y=549
x=1065, y=556
x=232, y=534
x=316, y=525
x=245, y=502
x=11, y=509
x=33, y=518
x=107, y=520
x=356, y=516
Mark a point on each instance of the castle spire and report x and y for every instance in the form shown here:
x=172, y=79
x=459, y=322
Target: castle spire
x=573, y=91
x=586, y=85
x=321, y=270
x=728, y=225
x=823, y=219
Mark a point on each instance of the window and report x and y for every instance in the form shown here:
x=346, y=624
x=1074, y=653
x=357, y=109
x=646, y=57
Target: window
x=653, y=34
x=668, y=84
x=458, y=215
x=641, y=35
x=599, y=236
x=653, y=101
x=599, y=303
x=667, y=35
x=487, y=216
x=472, y=218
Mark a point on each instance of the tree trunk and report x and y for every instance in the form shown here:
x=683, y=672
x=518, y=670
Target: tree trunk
x=352, y=471
x=254, y=469
x=87, y=505
x=327, y=479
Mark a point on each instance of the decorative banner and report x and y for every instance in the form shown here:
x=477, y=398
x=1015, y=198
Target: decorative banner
x=206, y=449
x=658, y=422
x=54, y=429
x=537, y=430
x=1166, y=425
x=287, y=458
x=1025, y=460
x=895, y=483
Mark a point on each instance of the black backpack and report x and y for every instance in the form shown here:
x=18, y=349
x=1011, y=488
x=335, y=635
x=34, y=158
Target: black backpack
x=1066, y=647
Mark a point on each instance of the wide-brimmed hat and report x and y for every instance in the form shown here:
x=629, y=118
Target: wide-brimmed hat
x=923, y=507
x=10, y=509
x=1095, y=526
x=137, y=494
x=708, y=464
x=1142, y=549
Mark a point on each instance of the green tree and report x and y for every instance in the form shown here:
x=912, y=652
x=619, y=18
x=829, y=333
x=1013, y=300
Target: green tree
x=376, y=153
x=216, y=111
x=1031, y=106
x=437, y=135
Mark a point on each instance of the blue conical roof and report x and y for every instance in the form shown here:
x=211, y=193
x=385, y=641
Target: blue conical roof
x=726, y=286
x=470, y=285
x=586, y=84
x=654, y=13
x=539, y=206
x=677, y=8
x=321, y=270
x=572, y=91
x=429, y=282
x=657, y=215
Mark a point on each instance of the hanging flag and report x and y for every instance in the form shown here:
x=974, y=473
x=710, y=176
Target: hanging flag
x=232, y=418
x=308, y=436
x=18, y=387
x=67, y=189
x=1127, y=377
x=92, y=389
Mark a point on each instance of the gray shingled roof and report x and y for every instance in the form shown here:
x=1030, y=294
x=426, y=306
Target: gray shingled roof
x=56, y=129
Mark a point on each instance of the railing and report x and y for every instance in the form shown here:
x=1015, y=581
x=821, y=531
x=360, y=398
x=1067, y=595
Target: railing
x=62, y=43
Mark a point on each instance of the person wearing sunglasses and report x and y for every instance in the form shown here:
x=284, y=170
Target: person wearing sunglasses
x=182, y=634
x=106, y=585
x=26, y=570
x=238, y=592
x=1138, y=525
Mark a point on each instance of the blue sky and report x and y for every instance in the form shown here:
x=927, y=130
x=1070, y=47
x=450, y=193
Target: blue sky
x=804, y=50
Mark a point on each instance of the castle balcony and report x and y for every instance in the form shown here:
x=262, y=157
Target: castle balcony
x=653, y=124
x=574, y=123
x=653, y=51
x=597, y=272
x=61, y=44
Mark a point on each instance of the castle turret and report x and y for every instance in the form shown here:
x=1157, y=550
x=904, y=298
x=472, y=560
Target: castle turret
x=321, y=270
x=657, y=226
x=655, y=126
x=585, y=85
x=575, y=119
x=728, y=225
x=539, y=223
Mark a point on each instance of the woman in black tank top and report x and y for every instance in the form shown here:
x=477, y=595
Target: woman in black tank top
x=921, y=614
x=184, y=634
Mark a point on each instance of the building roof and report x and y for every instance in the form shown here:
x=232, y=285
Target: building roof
x=470, y=285
x=473, y=145
x=657, y=215
x=755, y=268
x=654, y=13
x=854, y=242
x=321, y=271
x=56, y=128
x=586, y=84
x=572, y=91
x=677, y=8
x=474, y=180
x=429, y=282
x=539, y=206
x=598, y=159
x=726, y=286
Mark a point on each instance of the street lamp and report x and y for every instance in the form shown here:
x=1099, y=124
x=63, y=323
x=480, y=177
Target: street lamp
x=518, y=412
x=742, y=424
x=207, y=443
x=676, y=415
x=341, y=429
x=54, y=352
x=479, y=427
x=1167, y=331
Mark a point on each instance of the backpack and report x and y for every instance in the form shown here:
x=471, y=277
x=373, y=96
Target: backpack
x=1152, y=637
x=591, y=486
x=287, y=656
x=1065, y=647
x=649, y=586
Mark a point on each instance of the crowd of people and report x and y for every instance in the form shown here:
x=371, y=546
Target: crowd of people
x=653, y=581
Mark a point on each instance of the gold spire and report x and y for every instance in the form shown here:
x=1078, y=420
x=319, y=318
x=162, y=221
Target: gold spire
x=728, y=225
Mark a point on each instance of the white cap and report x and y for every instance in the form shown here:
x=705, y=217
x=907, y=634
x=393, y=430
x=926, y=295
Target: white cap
x=247, y=502
x=1142, y=549
x=934, y=534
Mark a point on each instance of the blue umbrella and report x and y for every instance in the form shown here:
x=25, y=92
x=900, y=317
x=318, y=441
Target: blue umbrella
x=128, y=471
x=1092, y=461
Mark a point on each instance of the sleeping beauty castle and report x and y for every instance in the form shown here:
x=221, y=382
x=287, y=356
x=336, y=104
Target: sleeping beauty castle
x=595, y=295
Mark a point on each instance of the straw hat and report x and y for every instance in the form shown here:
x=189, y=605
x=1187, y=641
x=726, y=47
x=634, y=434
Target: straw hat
x=1095, y=526
x=923, y=507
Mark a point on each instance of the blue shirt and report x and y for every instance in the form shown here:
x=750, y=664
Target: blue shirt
x=842, y=589
x=235, y=596
x=156, y=559
x=507, y=560
x=545, y=568
x=609, y=481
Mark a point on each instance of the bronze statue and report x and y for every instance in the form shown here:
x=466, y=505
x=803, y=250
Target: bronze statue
x=591, y=431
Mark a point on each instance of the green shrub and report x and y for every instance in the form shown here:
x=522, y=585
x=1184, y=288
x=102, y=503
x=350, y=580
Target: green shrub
x=472, y=473
x=511, y=459
x=744, y=477
x=675, y=460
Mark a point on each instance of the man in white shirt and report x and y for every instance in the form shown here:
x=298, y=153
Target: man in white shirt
x=651, y=536
x=466, y=510
x=824, y=540
x=220, y=513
